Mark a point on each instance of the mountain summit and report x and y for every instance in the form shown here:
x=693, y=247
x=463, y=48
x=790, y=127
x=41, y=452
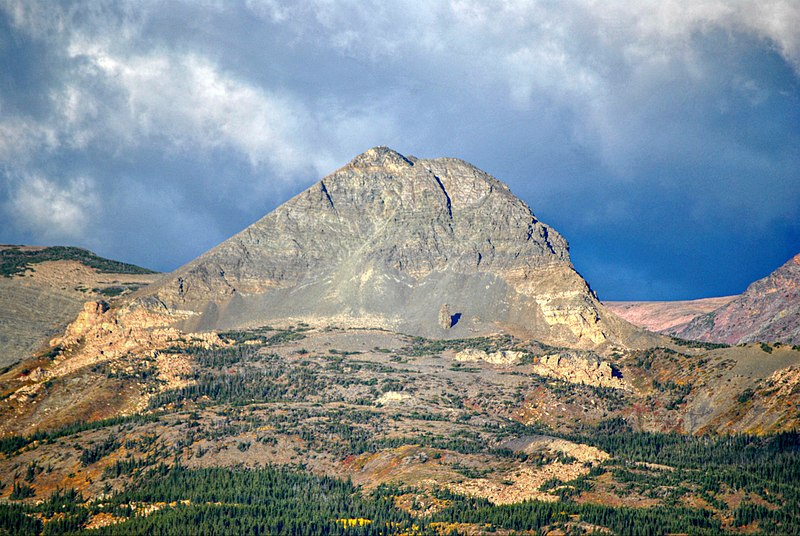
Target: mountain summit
x=392, y=241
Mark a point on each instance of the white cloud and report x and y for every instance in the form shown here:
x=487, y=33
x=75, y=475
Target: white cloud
x=596, y=59
x=21, y=139
x=51, y=210
x=191, y=103
x=118, y=95
x=187, y=101
x=604, y=61
x=643, y=28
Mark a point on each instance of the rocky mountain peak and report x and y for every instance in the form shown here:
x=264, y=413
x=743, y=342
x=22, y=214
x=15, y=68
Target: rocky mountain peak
x=385, y=241
x=380, y=157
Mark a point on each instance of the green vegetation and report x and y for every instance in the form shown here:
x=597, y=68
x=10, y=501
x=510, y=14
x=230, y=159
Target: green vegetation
x=461, y=367
x=15, y=260
x=699, y=344
x=12, y=443
x=278, y=500
x=679, y=391
x=114, y=290
x=220, y=501
x=21, y=491
x=16, y=519
x=245, y=384
x=317, y=407
x=668, y=467
x=646, y=358
x=536, y=515
x=745, y=396
x=267, y=335
x=421, y=347
x=765, y=467
x=98, y=450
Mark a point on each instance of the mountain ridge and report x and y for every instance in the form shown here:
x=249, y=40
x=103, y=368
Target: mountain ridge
x=767, y=311
x=666, y=317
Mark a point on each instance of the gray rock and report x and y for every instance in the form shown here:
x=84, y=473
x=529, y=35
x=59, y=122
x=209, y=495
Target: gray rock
x=383, y=242
x=445, y=317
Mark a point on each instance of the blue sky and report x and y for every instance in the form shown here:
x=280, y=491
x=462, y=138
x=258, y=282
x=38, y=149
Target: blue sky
x=662, y=139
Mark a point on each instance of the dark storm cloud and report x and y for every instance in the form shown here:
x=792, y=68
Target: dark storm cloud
x=661, y=139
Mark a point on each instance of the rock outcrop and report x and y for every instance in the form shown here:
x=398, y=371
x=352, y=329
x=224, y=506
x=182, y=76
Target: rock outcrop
x=445, y=317
x=121, y=340
x=100, y=334
x=502, y=357
x=768, y=311
x=383, y=242
x=579, y=370
x=564, y=366
x=38, y=299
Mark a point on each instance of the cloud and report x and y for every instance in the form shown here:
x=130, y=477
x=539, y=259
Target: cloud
x=21, y=139
x=615, y=68
x=677, y=115
x=131, y=95
x=53, y=211
x=188, y=103
x=599, y=62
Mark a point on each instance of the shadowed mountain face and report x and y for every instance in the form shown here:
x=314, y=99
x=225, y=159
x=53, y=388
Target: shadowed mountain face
x=388, y=241
x=769, y=311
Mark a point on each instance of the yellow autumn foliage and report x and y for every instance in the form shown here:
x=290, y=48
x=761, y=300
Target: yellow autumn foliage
x=354, y=522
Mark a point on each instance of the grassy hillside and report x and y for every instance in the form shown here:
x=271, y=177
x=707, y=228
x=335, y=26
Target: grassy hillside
x=416, y=441
x=737, y=484
x=18, y=259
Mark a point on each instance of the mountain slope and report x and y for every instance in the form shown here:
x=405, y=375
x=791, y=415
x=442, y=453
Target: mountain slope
x=391, y=242
x=665, y=316
x=769, y=311
x=42, y=289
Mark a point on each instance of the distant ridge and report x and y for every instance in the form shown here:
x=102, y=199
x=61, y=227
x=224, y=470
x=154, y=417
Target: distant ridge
x=15, y=259
x=666, y=317
x=768, y=311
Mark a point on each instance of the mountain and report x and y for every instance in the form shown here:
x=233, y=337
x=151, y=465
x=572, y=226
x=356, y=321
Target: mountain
x=280, y=384
x=42, y=289
x=393, y=242
x=768, y=311
x=666, y=317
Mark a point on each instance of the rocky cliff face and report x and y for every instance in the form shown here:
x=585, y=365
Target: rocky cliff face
x=386, y=241
x=768, y=311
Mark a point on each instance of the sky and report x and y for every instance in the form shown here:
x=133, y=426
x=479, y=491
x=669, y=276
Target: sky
x=661, y=138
